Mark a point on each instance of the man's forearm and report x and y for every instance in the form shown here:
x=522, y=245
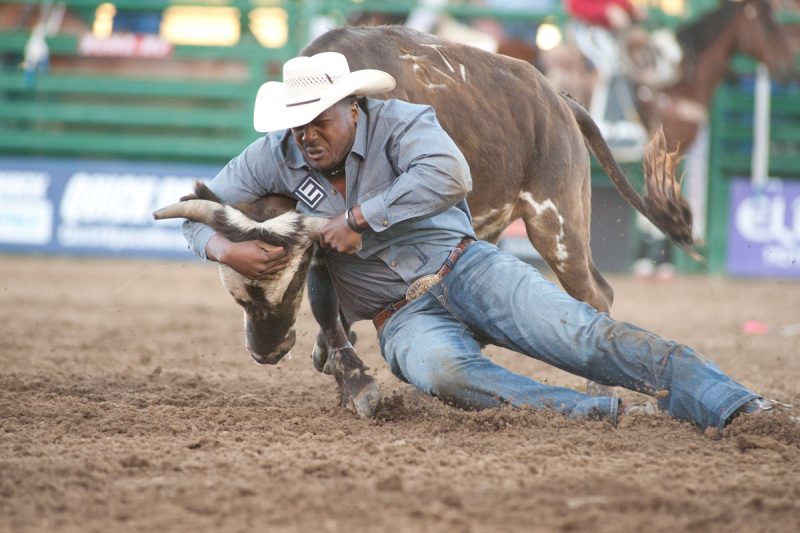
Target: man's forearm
x=361, y=222
x=216, y=248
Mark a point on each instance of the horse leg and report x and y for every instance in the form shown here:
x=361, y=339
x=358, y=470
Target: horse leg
x=559, y=230
x=334, y=353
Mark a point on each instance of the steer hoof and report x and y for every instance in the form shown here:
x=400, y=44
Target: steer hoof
x=358, y=390
x=366, y=400
x=319, y=356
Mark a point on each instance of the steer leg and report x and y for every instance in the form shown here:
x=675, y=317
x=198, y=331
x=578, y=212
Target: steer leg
x=558, y=227
x=561, y=236
x=334, y=352
x=319, y=354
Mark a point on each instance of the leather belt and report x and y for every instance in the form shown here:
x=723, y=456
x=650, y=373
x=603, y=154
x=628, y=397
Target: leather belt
x=423, y=284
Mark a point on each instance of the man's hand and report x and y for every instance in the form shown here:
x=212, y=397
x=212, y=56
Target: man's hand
x=337, y=235
x=252, y=259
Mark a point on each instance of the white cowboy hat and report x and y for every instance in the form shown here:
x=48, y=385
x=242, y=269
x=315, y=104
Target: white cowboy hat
x=310, y=86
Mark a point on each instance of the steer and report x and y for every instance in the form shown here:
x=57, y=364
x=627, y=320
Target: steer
x=526, y=145
x=271, y=304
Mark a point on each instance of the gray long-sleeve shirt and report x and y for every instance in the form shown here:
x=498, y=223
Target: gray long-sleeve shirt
x=405, y=172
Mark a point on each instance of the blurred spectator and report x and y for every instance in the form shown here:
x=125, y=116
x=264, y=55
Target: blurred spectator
x=37, y=52
x=654, y=260
x=595, y=27
x=426, y=15
x=615, y=15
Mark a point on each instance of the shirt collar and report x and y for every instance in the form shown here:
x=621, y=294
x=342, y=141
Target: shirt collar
x=294, y=156
x=360, y=142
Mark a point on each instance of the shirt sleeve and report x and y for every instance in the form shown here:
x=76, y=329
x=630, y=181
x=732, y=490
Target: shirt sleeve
x=246, y=178
x=434, y=175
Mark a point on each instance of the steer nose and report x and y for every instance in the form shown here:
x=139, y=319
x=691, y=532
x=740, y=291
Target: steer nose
x=270, y=354
x=271, y=359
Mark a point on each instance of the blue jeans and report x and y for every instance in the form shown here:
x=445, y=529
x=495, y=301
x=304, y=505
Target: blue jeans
x=434, y=343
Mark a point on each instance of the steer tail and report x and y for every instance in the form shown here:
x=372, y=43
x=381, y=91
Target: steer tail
x=663, y=204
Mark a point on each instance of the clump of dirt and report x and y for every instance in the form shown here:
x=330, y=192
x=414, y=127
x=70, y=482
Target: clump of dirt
x=408, y=404
x=783, y=427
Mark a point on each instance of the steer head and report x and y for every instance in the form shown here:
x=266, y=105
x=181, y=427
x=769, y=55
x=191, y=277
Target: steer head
x=270, y=304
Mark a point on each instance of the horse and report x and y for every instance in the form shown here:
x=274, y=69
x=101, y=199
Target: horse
x=708, y=44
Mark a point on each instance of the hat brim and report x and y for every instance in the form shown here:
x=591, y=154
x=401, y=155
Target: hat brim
x=272, y=113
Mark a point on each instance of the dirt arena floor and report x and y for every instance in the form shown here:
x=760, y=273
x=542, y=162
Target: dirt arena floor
x=128, y=403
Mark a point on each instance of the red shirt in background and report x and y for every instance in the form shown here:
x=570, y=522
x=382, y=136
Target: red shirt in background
x=594, y=11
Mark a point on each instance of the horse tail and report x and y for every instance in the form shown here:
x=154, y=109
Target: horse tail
x=663, y=204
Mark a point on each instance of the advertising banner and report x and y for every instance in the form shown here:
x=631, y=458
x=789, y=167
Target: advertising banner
x=764, y=229
x=82, y=207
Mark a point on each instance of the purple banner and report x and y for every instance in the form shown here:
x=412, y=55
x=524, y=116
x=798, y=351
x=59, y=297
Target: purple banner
x=764, y=229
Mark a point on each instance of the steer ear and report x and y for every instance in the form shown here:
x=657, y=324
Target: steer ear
x=289, y=229
x=268, y=207
x=201, y=192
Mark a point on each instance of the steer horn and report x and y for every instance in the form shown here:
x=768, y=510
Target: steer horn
x=287, y=226
x=197, y=210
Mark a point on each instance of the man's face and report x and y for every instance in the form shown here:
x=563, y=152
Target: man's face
x=326, y=140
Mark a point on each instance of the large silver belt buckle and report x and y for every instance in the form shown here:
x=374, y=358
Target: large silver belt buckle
x=421, y=286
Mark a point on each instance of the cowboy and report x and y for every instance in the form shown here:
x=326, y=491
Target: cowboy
x=402, y=252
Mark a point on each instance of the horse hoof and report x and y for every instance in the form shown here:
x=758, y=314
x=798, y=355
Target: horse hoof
x=596, y=389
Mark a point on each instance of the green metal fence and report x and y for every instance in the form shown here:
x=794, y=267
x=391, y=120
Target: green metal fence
x=180, y=115
x=174, y=117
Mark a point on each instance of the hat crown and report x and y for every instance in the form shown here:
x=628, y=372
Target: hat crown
x=310, y=86
x=307, y=78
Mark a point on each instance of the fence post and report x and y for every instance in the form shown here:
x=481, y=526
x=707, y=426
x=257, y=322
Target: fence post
x=760, y=163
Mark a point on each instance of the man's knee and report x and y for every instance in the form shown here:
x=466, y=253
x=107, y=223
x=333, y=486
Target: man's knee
x=448, y=376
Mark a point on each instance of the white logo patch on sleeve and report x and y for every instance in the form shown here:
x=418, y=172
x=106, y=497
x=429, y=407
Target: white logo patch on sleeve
x=310, y=192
